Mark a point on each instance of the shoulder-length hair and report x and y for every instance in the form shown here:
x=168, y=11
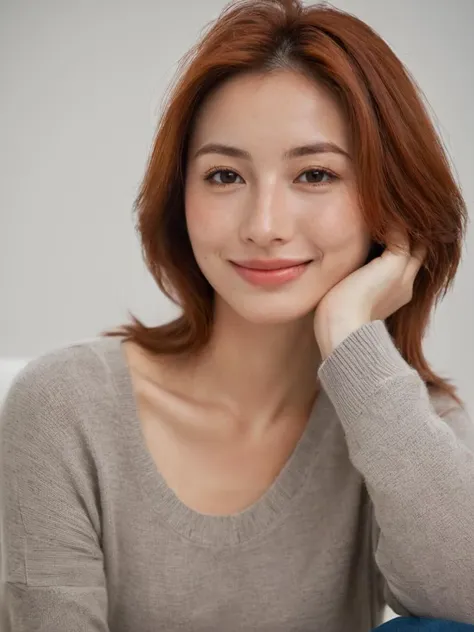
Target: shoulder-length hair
x=403, y=174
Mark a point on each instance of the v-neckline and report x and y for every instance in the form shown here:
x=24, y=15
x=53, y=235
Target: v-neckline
x=207, y=529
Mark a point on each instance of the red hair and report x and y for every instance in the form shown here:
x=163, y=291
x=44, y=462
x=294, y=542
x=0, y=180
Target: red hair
x=403, y=174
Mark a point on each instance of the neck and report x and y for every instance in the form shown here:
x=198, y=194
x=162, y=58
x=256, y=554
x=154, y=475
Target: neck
x=260, y=372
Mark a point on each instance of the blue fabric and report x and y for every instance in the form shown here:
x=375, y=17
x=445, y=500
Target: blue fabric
x=413, y=624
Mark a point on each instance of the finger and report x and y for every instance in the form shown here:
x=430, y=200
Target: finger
x=416, y=260
x=398, y=242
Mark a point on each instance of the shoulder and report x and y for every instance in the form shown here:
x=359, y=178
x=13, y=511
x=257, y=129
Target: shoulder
x=51, y=390
x=61, y=374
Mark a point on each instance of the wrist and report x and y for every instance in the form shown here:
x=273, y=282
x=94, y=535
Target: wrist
x=330, y=334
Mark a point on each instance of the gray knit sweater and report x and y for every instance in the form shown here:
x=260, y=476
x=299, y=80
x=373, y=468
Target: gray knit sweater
x=375, y=504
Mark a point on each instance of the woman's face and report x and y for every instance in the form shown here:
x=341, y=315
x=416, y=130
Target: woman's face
x=282, y=191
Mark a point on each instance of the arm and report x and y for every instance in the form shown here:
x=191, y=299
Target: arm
x=53, y=567
x=418, y=464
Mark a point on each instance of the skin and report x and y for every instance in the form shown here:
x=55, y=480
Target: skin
x=373, y=292
x=304, y=207
x=274, y=207
x=246, y=399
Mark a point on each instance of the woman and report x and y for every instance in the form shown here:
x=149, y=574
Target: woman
x=280, y=457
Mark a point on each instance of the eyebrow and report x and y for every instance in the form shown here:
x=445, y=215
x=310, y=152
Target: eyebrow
x=294, y=152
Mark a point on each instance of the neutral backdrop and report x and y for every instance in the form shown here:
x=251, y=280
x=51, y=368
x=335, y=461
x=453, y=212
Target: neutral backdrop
x=81, y=91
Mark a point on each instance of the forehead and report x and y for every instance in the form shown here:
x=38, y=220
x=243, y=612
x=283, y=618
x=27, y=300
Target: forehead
x=278, y=108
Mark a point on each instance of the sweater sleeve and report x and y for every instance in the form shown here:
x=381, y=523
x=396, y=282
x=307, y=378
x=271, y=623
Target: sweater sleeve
x=52, y=560
x=416, y=455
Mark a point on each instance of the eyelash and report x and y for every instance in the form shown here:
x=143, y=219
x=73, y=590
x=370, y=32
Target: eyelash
x=208, y=176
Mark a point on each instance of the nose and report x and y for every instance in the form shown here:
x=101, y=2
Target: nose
x=268, y=220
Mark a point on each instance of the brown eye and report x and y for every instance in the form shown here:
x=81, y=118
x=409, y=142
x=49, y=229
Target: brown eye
x=319, y=176
x=226, y=176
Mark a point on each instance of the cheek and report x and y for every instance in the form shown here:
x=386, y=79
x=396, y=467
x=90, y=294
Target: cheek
x=337, y=225
x=209, y=228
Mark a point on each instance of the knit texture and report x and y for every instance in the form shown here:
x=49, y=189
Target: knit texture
x=374, y=505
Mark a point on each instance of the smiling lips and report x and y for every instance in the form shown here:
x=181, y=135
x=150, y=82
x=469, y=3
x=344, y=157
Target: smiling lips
x=271, y=272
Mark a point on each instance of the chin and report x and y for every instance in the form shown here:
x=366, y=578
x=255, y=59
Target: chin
x=280, y=310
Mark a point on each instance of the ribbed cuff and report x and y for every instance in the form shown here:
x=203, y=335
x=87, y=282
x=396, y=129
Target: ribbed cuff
x=358, y=366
